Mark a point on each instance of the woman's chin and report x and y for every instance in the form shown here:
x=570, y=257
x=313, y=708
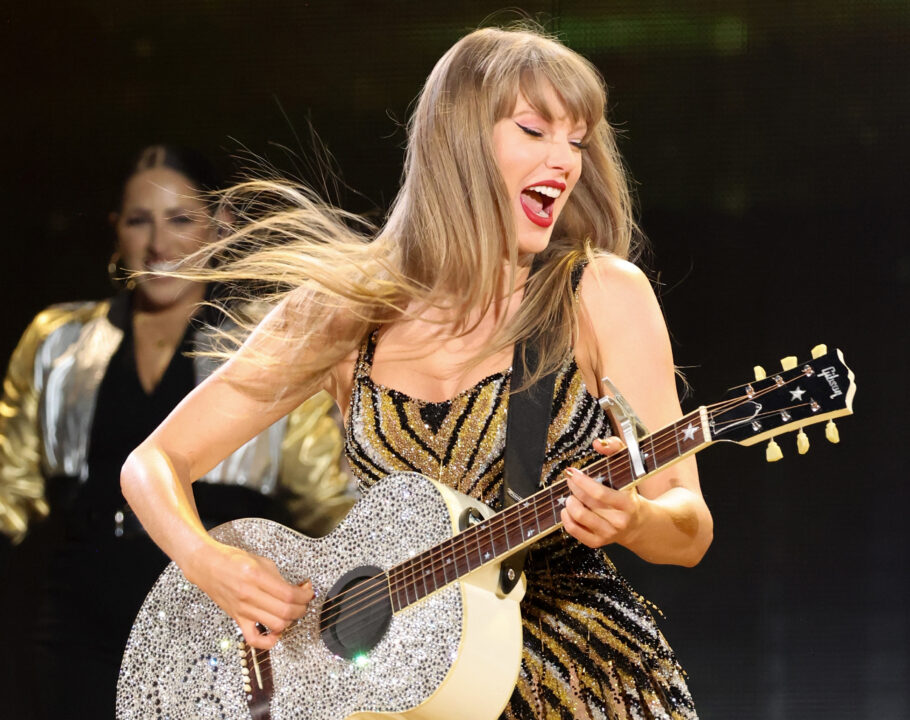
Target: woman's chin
x=160, y=293
x=531, y=243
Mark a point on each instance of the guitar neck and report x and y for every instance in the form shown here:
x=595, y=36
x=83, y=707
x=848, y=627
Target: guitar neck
x=536, y=516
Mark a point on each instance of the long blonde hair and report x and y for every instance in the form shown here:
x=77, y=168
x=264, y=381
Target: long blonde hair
x=450, y=226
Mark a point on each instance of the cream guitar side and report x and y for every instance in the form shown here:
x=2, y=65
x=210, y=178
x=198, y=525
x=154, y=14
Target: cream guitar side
x=481, y=678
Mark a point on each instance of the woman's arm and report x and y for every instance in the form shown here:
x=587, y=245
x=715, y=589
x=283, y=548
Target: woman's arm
x=215, y=419
x=22, y=491
x=21, y=481
x=622, y=334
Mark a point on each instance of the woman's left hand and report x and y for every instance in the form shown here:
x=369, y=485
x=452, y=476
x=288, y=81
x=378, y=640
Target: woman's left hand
x=597, y=515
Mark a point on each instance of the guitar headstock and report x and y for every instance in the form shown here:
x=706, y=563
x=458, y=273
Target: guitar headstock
x=801, y=394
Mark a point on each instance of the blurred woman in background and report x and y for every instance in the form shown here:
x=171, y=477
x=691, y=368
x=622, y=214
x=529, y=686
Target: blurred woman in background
x=86, y=384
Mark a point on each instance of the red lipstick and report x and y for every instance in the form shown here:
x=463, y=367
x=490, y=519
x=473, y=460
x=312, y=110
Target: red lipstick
x=537, y=204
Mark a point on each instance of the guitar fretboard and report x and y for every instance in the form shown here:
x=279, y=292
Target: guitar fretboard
x=537, y=515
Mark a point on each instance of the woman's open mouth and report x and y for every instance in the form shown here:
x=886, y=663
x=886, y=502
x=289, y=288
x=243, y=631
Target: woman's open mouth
x=537, y=201
x=162, y=267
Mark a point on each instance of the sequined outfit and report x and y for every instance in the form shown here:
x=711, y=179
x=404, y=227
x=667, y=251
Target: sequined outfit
x=591, y=648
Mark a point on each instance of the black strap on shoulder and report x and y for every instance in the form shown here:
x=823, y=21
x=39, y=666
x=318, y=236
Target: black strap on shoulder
x=526, y=442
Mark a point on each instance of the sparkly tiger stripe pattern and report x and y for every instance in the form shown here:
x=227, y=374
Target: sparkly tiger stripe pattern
x=591, y=648
x=459, y=442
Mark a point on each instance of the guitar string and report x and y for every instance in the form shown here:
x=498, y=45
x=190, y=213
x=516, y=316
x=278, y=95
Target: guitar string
x=351, y=612
x=375, y=583
x=425, y=565
x=543, y=498
x=365, y=591
x=396, y=582
x=398, y=576
x=419, y=568
x=658, y=445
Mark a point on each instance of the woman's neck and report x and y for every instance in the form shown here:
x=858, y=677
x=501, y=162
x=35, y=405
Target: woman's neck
x=178, y=311
x=449, y=310
x=158, y=331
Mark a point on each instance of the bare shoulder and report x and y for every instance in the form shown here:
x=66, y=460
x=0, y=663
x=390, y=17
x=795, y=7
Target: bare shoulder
x=618, y=307
x=327, y=327
x=319, y=316
x=288, y=354
x=609, y=280
x=623, y=336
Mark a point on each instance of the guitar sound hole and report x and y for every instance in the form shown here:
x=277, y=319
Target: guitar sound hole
x=356, y=613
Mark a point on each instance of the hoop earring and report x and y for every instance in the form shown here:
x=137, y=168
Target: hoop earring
x=118, y=275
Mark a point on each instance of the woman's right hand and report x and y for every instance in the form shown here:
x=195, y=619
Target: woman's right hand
x=250, y=589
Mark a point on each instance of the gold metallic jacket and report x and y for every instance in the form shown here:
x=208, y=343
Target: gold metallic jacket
x=48, y=406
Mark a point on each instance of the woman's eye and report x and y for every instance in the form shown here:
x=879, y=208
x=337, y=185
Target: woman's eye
x=181, y=219
x=579, y=144
x=530, y=131
x=133, y=221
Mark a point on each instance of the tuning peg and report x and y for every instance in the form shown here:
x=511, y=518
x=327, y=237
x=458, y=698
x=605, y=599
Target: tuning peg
x=802, y=442
x=819, y=350
x=760, y=373
x=773, y=452
x=789, y=362
x=831, y=432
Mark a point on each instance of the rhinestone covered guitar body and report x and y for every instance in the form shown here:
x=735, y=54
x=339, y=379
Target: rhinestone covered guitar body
x=182, y=661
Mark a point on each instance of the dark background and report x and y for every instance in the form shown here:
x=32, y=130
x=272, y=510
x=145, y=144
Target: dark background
x=767, y=142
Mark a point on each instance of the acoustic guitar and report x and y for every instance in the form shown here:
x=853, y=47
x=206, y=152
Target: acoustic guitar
x=409, y=620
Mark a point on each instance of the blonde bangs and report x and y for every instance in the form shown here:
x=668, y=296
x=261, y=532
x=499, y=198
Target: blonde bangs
x=534, y=63
x=581, y=93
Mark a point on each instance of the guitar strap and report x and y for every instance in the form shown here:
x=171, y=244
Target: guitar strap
x=526, y=442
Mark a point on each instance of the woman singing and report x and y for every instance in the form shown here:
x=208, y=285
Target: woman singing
x=513, y=222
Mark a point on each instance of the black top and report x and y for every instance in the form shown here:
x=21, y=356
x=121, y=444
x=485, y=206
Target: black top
x=95, y=579
x=125, y=415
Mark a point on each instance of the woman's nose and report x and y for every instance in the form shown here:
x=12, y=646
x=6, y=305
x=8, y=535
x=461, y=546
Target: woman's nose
x=159, y=238
x=562, y=155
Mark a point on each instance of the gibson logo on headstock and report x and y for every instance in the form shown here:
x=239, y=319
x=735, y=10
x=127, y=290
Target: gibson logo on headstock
x=829, y=373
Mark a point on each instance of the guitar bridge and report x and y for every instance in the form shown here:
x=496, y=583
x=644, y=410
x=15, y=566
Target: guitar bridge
x=256, y=668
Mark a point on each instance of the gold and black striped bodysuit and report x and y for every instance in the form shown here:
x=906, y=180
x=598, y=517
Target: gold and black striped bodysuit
x=591, y=648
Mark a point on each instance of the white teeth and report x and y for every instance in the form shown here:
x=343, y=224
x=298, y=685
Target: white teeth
x=163, y=266
x=546, y=190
